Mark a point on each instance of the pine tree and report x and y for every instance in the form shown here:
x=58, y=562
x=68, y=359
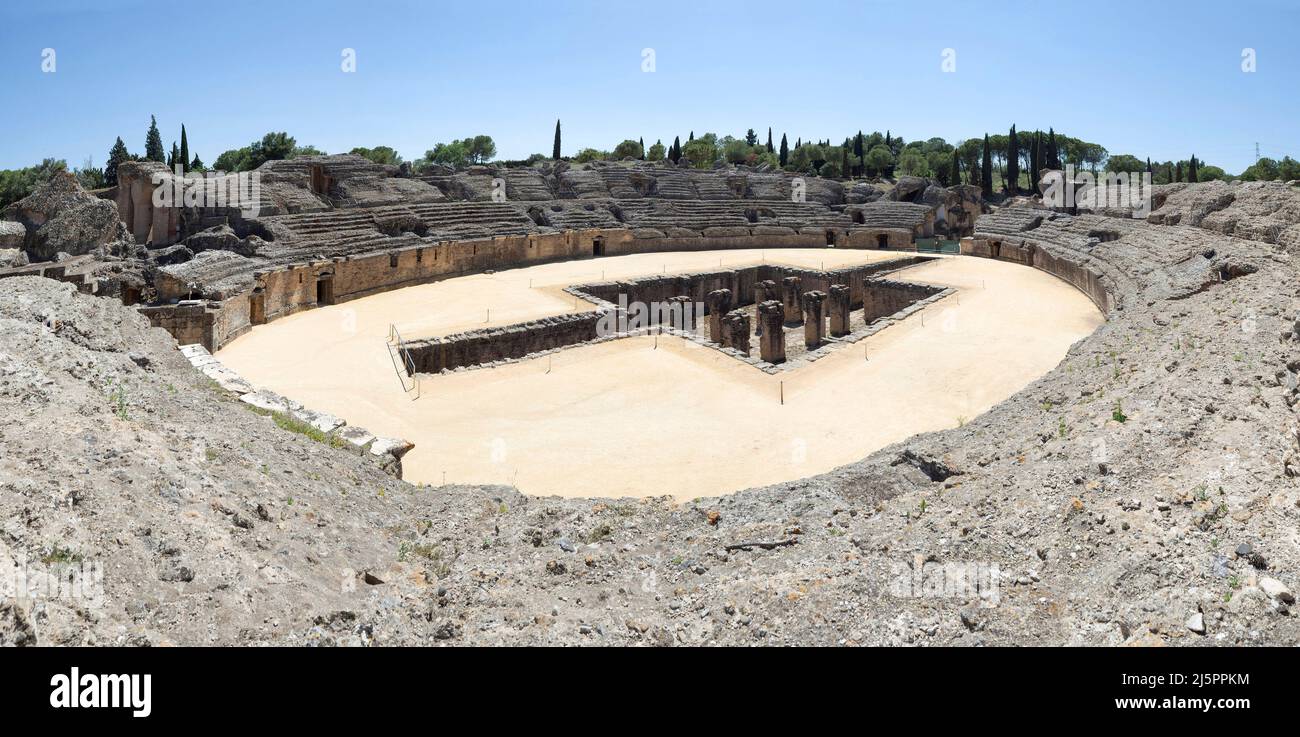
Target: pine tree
x=770, y=149
x=1013, y=162
x=196, y=164
x=153, y=145
x=785, y=151
x=555, y=148
x=185, y=148
x=986, y=168
x=751, y=138
x=116, y=155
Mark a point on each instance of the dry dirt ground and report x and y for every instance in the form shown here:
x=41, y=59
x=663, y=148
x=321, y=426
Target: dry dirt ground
x=648, y=416
x=1142, y=492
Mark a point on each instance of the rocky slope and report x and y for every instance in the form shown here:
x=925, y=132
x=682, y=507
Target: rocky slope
x=1144, y=492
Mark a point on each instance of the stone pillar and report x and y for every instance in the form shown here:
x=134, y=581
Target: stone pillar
x=814, y=320
x=763, y=291
x=790, y=296
x=771, y=345
x=719, y=303
x=870, y=311
x=681, y=313
x=839, y=307
x=735, y=331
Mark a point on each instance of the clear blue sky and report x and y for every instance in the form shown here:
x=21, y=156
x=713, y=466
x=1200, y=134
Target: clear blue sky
x=1153, y=79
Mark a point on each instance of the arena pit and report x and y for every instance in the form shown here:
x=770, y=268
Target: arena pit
x=654, y=414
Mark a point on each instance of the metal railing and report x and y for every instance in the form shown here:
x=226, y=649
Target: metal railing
x=403, y=365
x=937, y=245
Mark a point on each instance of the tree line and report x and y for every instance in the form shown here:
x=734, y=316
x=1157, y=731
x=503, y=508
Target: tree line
x=1006, y=163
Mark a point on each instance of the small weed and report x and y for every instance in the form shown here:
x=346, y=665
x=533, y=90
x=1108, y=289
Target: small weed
x=60, y=555
x=1118, y=415
x=600, y=532
x=118, y=399
x=293, y=424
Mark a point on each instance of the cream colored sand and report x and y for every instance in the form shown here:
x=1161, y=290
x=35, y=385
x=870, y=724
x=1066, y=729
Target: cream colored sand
x=626, y=419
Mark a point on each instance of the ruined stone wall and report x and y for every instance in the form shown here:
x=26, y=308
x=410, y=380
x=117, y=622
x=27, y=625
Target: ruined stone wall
x=741, y=238
x=290, y=289
x=188, y=323
x=490, y=345
x=1077, y=275
x=895, y=238
x=231, y=319
x=884, y=297
x=1082, y=278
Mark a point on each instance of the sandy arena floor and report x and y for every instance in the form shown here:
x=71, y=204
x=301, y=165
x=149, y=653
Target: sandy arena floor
x=625, y=419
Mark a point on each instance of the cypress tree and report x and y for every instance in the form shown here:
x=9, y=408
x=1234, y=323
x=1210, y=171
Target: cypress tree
x=986, y=168
x=174, y=156
x=692, y=138
x=1053, y=156
x=770, y=149
x=153, y=145
x=185, y=149
x=642, y=142
x=196, y=164
x=1035, y=164
x=954, y=176
x=1191, y=169
x=555, y=148
x=785, y=151
x=116, y=155
x=677, y=149
x=844, y=160
x=1013, y=162
x=1178, y=172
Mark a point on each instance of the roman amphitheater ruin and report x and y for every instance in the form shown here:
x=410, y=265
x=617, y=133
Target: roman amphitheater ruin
x=507, y=385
